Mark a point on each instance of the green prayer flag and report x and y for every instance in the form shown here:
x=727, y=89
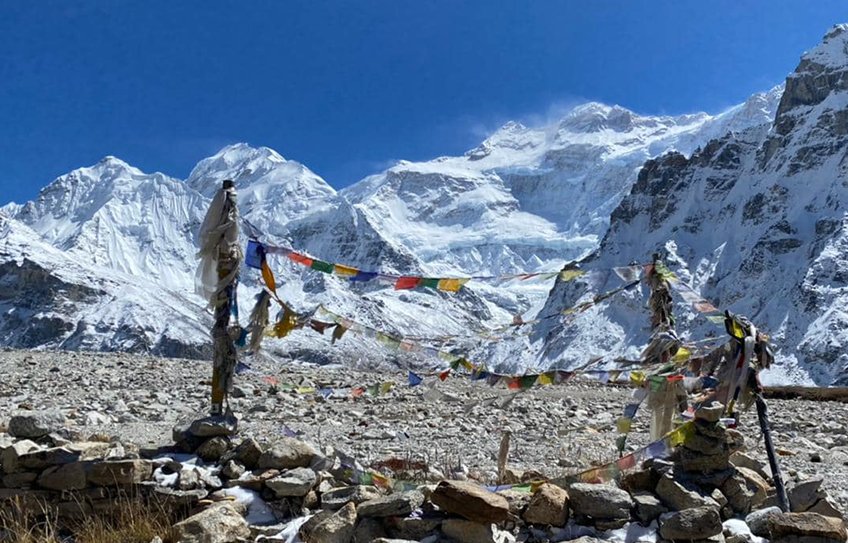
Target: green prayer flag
x=430, y=282
x=325, y=267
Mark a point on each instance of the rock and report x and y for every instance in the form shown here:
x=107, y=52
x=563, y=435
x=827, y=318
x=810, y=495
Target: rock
x=221, y=523
x=648, y=507
x=694, y=461
x=120, y=472
x=758, y=521
x=292, y=483
x=213, y=448
x=400, y=503
x=368, y=530
x=464, y=531
x=179, y=498
x=806, y=525
x=696, y=523
x=745, y=460
x=470, y=501
x=710, y=413
x=36, y=424
x=10, y=456
x=19, y=480
x=67, y=477
x=548, y=506
x=705, y=445
x=42, y=458
x=745, y=490
x=412, y=528
x=95, y=418
x=287, y=453
x=642, y=480
x=254, y=480
x=248, y=453
x=518, y=501
x=214, y=425
x=232, y=470
x=826, y=507
x=336, y=528
x=336, y=498
x=678, y=497
x=804, y=494
x=600, y=501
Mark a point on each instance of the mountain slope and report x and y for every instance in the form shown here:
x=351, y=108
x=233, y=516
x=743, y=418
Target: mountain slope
x=755, y=220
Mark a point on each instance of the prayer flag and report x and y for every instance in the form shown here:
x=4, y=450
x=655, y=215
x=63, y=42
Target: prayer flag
x=514, y=383
x=493, y=379
x=451, y=285
x=569, y=275
x=444, y=375
x=321, y=266
x=253, y=256
x=363, y=276
x=325, y=392
x=300, y=259
x=414, y=379
x=357, y=392
x=386, y=387
x=430, y=282
x=406, y=283
x=374, y=390
x=241, y=367
x=528, y=381
x=268, y=277
x=546, y=378
x=623, y=425
x=344, y=271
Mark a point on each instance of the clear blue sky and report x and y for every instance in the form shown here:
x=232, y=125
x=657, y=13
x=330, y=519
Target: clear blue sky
x=347, y=86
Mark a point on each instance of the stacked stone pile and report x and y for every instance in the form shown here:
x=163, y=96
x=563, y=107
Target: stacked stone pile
x=707, y=490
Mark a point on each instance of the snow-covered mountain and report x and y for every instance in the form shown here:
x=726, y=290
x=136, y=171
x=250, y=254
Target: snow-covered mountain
x=755, y=220
x=741, y=202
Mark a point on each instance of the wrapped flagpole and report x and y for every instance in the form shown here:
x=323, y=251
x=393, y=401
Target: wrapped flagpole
x=217, y=281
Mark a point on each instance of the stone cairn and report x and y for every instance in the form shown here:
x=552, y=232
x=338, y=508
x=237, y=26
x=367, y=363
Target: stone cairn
x=691, y=496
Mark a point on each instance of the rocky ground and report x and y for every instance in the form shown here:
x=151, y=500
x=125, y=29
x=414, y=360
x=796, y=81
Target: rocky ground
x=554, y=429
x=447, y=430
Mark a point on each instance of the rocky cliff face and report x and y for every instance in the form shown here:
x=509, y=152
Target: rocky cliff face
x=755, y=220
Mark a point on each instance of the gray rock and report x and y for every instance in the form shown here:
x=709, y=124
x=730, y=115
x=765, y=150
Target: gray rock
x=826, y=507
x=336, y=528
x=67, y=477
x=42, y=458
x=710, y=413
x=804, y=494
x=678, y=497
x=648, y=507
x=248, y=453
x=232, y=470
x=696, y=523
x=19, y=480
x=412, y=528
x=466, y=531
x=368, y=530
x=745, y=490
x=336, y=498
x=221, y=523
x=9, y=459
x=401, y=503
x=36, y=424
x=214, y=425
x=213, y=448
x=287, y=453
x=600, y=501
x=758, y=521
x=806, y=527
x=120, y=472
x=292, y=483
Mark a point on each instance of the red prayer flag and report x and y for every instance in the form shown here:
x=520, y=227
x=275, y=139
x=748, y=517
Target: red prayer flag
x=444, y=375
x=406, y=282
x=300, y=259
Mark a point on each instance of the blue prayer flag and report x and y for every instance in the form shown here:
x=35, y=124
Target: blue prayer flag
x=253, y=255
x=414, y=380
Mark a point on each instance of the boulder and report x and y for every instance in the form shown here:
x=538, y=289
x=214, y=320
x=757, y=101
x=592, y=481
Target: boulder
x=548, y=506
x=640, y=480
x=338, y=527
x=248, y=453
x=120, y=472
x=827, y=508
x=710, y=412
x=213, y=448
x=696, y=523
x=744, y=460
x=368, y=530
x=600, y=501
x=67, y=477
x=804, y=494
x=758, y=521
x=470, y=501
x=214, y=425
x=292, y=483
x=336, y=498
x=36, y=424
x=287, y=453
x=806, y=525
x=648, y=507
x=221, y=523
x=19, y=480
x=398, y=504
x=9, y=459
x=412, y=528
x=745, y=490
x=677, y=496
x=465, y=531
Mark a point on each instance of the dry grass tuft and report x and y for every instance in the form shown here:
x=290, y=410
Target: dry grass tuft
x=132, y=521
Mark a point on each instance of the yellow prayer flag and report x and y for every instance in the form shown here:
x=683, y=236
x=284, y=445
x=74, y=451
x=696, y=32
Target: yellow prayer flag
x=569, y=275
x=305, y=390
x=451, y=285
x=637, y=378
x=546, y=379
x=623, y=424
x=385, y=387
x=344, y=271
x=682, y=355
